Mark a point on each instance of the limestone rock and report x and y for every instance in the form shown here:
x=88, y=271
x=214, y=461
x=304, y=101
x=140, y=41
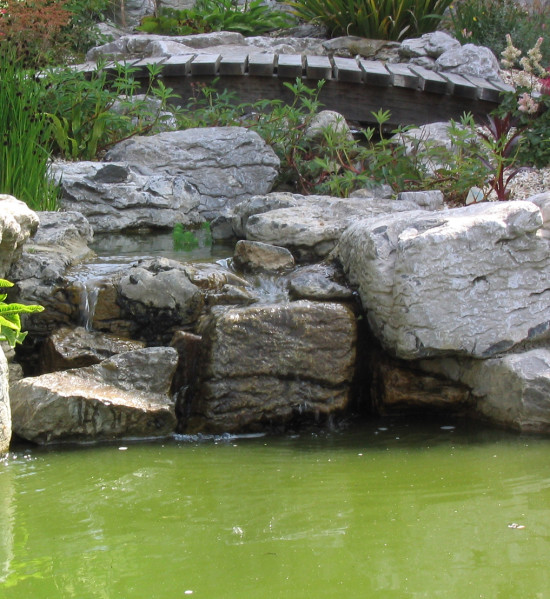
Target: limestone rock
x=511, y=391
x=60, y=242
x=470, y=281
x=68, y=348
x=273, y=364
x=114, y=196
x=17, y=223
x=225, y=164
x=469, y=60
x=319, y=282
x=308, y=226
x=327, y=120
x=430, y=44
x=254, y=255
x=351, y=45
x=542, y=200
x=125, y=396
x=5, y=412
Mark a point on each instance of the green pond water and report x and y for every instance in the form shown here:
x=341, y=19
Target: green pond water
x=383, y=510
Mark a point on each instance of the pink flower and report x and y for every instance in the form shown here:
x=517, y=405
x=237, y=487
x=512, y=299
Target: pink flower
x=527, y=104
x=545, y=84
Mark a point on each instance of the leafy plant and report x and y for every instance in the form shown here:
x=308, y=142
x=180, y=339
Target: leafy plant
x=487, y=22
x=10, y=317
x=254, y=18
x=90, y=114
x=24, y=135
x=378, y=19
x=186, y=240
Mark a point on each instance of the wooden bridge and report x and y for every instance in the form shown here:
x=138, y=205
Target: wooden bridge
x=353, y=87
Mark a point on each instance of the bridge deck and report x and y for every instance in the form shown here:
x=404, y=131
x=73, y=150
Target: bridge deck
x=353, y=87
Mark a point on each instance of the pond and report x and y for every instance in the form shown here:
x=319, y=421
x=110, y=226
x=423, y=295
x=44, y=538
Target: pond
x=386, y=509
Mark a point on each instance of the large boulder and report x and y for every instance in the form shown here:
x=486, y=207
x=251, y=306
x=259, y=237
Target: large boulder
x=114, y=197
x=511, y=391
x=5, y=412
x=470, y=281
x=273, y=364
x=126, y=396
x=225, y=164
x=17, y=223
x=310, y=226
x=432, y=44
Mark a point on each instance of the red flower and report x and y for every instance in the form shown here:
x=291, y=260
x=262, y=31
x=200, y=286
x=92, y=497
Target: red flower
x=545, y=84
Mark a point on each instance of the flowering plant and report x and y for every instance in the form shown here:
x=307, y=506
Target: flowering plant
x=529, y=104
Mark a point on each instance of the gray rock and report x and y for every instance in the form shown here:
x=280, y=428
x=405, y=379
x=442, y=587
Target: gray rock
x=327, y=120
x=511, y=391
x=430, y=44
x=225, y=164
x=542, y=200
x=130, y=12
x=428, y=200
x=319, y=282
x=17, y=223
x=115, y=196
x=5, y=412
x=254, y=255
x=60, y=242
x=470, y=281
x=125, y=396
x=469, y=60
x=69, y=348
x=308, y=226
x=273, y=365
x=352, y=45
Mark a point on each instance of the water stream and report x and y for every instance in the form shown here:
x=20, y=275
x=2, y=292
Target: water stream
x=431, y=510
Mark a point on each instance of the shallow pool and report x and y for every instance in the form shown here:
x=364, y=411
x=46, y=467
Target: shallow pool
x=387, y=510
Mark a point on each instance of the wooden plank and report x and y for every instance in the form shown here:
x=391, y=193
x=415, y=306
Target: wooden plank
x=234, y=64
x=402, y=76
x=430, y=81
x=290, y=66
x=177, y=65
x=205, y=64
x=487, y=91
x=460, y=86
x=375, y=73
x=505, y=87
x=318, y=67
x=261, y=65
x=142, y=65
x=347, y=69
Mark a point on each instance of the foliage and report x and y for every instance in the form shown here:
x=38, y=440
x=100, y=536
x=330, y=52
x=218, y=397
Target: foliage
x=82, y=33
x=378, y=19
x=254, y=18
x=186, y=240
x=529, y=104
x=487, y=22
x=10, y=317
x=90, y=114
x=24, y=135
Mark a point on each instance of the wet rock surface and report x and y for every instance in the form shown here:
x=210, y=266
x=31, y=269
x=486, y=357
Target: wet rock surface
x=126, y=396
x=267, y=365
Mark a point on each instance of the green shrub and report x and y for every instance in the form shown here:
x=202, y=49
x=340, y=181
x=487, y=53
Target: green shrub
x=254, y=18
x=487, y=22
x=24, y=135
x=378, y=19
x=82, y=110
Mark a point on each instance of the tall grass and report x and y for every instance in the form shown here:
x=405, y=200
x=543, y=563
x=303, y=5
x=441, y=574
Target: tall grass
x=378, y=19
x=24, y=135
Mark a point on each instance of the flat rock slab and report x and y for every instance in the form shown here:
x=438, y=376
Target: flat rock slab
x=123, y=397
x=274, y=364
x=471, y=281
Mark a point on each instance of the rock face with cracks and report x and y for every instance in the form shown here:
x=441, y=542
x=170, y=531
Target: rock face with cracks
x=263, y=364
x=469, y=281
